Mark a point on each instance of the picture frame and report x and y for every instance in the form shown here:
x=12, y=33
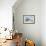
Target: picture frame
x=28, y=19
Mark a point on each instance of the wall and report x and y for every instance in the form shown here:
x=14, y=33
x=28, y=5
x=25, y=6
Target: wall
x=43, y=22
x=28, y=7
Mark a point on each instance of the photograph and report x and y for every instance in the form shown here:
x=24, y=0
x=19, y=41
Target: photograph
x=29, y=19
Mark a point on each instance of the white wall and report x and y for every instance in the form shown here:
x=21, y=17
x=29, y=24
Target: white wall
x=35, y=31
x=6, y=13
x=31, y=31
x=43, y=22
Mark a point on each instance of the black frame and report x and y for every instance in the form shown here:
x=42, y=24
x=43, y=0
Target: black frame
x=28, y=15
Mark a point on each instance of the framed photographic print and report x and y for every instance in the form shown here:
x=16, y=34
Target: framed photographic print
x=29, y=19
